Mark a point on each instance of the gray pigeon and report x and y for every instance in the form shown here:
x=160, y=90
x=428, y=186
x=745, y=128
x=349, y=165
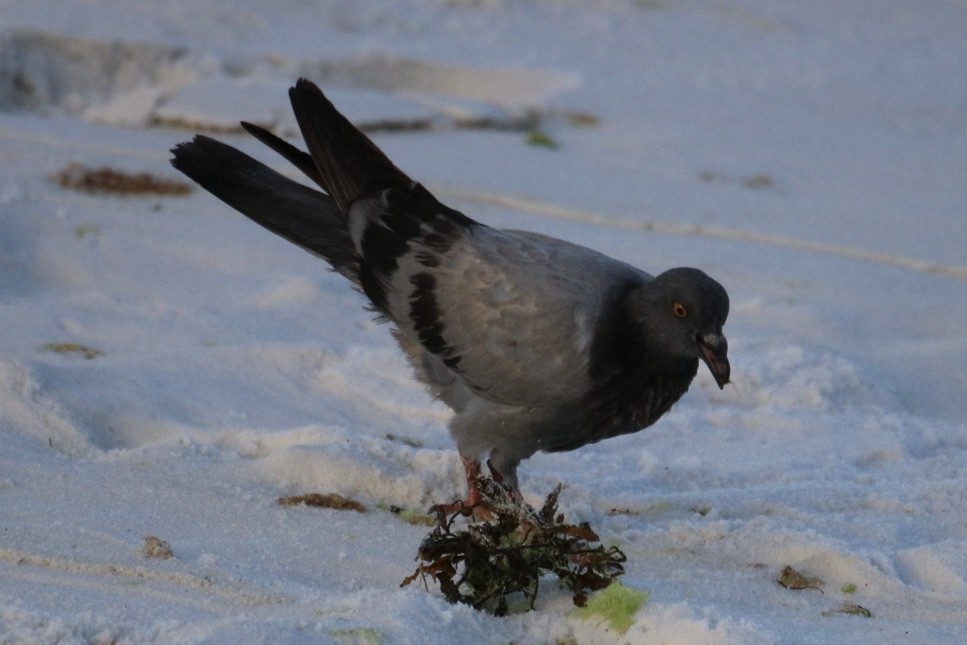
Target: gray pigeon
x=535, y=343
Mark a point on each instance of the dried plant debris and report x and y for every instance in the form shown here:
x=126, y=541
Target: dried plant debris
x=621, y=511
x=851, y=609
x=541, y=139
x=524, y=122
x=329, y=500
x=499, y=123
x=792, y=579
x=580, y=119
x=86, y=230
x=411, y=516
x=108, y=180
x=73, y=348
x=358, y=635
x=406, y=441
x=488, y=562
x=155, y=547
x=702, y=509
x=759, y=181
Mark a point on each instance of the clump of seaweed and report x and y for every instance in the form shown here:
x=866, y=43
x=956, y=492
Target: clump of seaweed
x=486, y=562
x=329, y=500
x=108, y=180
x=790, y=578
x=155, y=547
x=75, y=349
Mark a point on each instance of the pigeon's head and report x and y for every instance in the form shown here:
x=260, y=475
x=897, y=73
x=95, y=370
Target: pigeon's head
x=683, y=311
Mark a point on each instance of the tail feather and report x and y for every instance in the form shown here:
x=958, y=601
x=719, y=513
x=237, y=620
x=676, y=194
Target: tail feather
x=299, y=214
x=349, y=164
x=301, y=160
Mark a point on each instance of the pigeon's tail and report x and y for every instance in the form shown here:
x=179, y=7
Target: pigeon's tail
x=348, y=165
x=300, y=214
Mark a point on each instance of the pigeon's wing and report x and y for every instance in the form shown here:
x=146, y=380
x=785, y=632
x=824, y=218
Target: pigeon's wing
x=513, y=316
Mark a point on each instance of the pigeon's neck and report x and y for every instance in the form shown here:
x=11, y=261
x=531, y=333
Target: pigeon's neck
x=616, y=338
x=635, y=381
x=635, y=399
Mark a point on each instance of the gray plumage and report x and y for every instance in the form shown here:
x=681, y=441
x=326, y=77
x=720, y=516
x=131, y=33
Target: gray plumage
x=535, y=343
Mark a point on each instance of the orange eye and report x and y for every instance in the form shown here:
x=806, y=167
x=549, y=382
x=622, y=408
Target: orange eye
x=679, y=310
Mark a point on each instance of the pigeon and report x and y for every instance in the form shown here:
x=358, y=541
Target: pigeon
x=535, y=343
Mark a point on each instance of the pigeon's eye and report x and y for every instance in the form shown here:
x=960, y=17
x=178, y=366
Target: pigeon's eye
x=679, y=310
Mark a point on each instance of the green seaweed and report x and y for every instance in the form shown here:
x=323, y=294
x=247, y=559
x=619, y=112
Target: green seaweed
x=541, y=140
x=617, y=604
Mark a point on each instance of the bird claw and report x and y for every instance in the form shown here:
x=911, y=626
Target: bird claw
x=476, y=506
x=475, y=509
x=487, y=498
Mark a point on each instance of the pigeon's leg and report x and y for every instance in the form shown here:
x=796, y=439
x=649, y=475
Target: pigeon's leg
x=504, y=471
x=474, y=504
x=472, y=468
x=509, y=482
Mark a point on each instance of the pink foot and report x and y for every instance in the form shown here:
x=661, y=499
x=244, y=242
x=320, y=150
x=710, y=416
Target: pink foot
x=474, y=504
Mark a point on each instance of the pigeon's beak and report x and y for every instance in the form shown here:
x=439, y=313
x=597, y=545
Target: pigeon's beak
x=715, y=349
